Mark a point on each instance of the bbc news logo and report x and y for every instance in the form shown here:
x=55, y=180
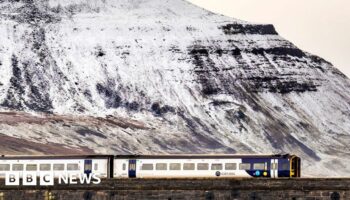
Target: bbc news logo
x=47, y=179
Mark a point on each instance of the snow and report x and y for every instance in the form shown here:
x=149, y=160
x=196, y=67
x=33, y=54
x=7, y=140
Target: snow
x=169, y=65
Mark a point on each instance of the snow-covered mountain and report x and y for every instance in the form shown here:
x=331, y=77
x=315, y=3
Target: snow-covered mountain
x=164, y=76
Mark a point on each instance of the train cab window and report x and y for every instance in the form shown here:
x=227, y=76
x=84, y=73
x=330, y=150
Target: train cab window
x=4, y=167
x=230, y=166
x=147, y=167
x=17, y=167
x=244, y=166
x=161, y=166
x=45, y=167
x=72, y=167
x=189, y=166
x=202, y=166
x=124, y=166
x=175, y=166
x=96, y=166
x=259, y=166
x=31, y=167
x=285, y=166
x=216, y=166
x=58, y=167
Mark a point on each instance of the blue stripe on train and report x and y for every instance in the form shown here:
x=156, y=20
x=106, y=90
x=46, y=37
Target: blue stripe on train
x=258, y=173
x=266, y=173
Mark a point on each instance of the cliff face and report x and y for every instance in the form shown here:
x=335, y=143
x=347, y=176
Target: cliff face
x=164, y=76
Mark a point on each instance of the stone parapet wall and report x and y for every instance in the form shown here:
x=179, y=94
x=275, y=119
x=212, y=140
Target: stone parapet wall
x=171, y=189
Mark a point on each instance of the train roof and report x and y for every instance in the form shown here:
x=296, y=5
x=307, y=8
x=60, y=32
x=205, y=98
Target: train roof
x=136, y=156
x=33, y=157
x=185, y=156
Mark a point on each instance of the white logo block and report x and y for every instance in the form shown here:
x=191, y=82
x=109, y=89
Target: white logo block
x=12, y=178
x=47, y=178
x=29, y=178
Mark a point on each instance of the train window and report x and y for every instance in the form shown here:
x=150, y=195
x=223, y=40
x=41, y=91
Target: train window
x=4, y=167
x=189, y=166
x=147, y=167
x=230, y=166
x=285, y=166
x=124, y=166
x=45, y=167
x=202, y=166
x=58, y=167
x=17, y=167
x=244, y=166
x=175, y=166
x=216, y=166
x=96, y=166
x=132, y=166
x=274, y=166
x=259, y=166
x=161, y=166
x=31, y=167
x=72, y=167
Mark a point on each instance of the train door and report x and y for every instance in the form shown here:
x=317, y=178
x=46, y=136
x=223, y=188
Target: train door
x=298, y=167
x=87, y=167
x=132, y=168
x=295, y=167
x=110, y=168
x=274, y=168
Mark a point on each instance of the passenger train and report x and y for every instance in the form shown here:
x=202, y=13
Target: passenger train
x=157, y=166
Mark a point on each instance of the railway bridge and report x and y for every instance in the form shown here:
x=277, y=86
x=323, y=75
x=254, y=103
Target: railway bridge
x=171, y=189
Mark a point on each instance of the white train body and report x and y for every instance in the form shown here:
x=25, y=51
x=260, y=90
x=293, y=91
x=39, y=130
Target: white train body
x=60, y=166
x=151, y=166
x=180, y=168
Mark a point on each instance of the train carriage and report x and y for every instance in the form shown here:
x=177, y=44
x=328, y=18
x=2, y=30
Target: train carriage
x=192, y=166
x=100, y=165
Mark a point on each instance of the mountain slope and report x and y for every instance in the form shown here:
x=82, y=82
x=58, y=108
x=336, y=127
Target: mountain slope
x=193, y=82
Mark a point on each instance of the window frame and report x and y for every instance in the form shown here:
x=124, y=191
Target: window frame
x=31, y=165
x=262, y=167
x=244, y=164
x=58, y=164
x=7, y=167
x=189, y=166
x=45, y=164
x=160, y=166
x=96, y=167
x=200, y=168
x=73, y=167
x=147, y=169
x=17, y=170
x=178, y=166
x=233, y=168
x=216, y=164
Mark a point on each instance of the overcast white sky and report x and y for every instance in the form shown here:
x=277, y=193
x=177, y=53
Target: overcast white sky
x=321, y=27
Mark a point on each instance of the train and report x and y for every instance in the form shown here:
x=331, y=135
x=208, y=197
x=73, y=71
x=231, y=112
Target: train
x=157, y=166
